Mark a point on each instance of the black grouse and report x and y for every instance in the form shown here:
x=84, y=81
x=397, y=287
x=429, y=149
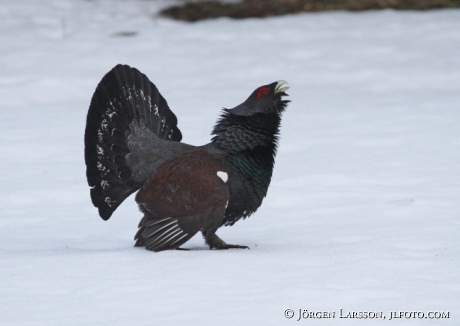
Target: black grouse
x=132, y=142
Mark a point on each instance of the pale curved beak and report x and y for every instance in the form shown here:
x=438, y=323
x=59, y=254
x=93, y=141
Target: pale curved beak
x=279, y=87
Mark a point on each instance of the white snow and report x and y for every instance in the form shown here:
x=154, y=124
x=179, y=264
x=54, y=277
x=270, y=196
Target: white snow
x=363, y=210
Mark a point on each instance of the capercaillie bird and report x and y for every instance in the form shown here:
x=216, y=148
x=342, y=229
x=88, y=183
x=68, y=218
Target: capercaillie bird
x=132, y=143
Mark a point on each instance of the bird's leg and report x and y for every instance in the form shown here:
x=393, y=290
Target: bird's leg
x=215, y=242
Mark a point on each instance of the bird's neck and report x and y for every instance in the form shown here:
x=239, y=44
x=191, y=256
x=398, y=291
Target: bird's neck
x=234, y=133
x=249, y=144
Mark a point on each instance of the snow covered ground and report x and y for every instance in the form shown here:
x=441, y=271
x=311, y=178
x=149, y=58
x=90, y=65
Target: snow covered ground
x=363, y=211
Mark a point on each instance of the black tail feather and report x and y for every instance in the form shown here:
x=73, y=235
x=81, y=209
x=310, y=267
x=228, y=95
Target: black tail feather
x=123, y=95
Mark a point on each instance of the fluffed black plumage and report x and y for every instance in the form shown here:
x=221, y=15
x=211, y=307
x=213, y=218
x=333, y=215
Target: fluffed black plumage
x=132, y=142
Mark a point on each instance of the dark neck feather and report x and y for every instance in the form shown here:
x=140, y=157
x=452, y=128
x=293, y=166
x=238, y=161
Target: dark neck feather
x=233, y=133
x=250, y=143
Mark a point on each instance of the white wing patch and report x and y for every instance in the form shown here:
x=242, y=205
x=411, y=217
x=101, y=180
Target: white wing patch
x=223, y=175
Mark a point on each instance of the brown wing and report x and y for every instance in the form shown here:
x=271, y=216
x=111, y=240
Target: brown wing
x=185, y=195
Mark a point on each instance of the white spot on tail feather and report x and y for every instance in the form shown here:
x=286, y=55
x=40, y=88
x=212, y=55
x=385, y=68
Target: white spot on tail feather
x=109, y=201
x=104, y=125
x=102, y=168
x=105, y=184
x=223, y=175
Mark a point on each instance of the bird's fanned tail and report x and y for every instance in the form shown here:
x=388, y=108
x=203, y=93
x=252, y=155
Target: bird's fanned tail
x=123, y=97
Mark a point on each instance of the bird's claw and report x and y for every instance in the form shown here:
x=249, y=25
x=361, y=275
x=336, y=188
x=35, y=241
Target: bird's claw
x=215, y=242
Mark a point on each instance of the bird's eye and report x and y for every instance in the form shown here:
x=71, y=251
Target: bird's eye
x=262, y=91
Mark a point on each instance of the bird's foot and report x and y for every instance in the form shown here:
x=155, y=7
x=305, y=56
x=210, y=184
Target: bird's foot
x=215, y=242
x=184, y=249
x=231, y=246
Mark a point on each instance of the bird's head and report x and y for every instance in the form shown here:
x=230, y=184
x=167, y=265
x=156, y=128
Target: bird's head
x=265, y=99
x=253, y=123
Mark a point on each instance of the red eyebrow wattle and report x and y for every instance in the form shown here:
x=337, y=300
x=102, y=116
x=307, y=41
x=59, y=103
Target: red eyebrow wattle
x=261, y=91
